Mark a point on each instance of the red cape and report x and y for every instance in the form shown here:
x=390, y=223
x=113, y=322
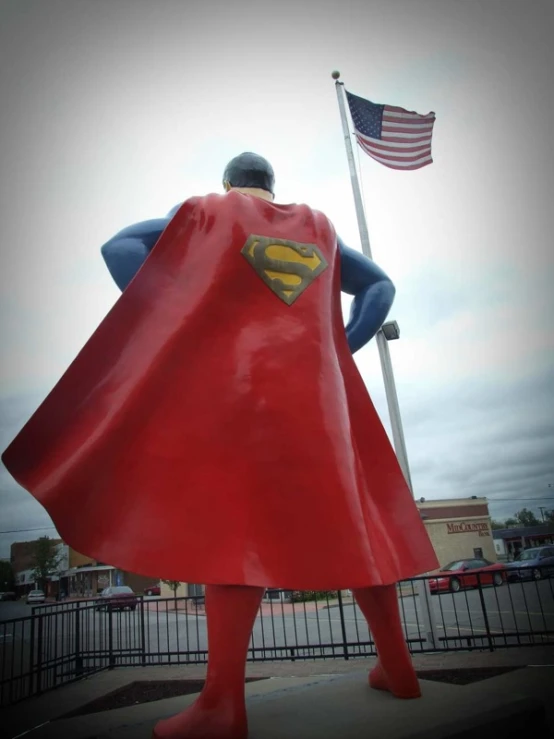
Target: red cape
x=215, y=428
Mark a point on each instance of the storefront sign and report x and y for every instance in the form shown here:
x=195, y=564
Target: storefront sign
x=468, y=528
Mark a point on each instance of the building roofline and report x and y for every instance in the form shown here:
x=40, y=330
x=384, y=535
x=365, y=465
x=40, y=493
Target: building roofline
x=513, y=533
x=450, y=501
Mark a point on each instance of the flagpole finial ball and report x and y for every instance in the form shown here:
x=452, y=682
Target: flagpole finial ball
x=335, y=75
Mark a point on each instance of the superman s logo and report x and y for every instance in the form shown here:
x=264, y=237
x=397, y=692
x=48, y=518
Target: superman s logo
x=286, y=267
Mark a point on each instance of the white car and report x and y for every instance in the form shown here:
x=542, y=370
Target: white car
x=36, y=596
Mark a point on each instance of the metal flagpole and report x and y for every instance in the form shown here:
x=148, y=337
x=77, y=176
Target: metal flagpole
x=382, y=344
x=422, y=586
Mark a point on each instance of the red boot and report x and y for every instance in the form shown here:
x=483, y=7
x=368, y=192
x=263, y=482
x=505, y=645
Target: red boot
x=220, y=710
x=394, y=670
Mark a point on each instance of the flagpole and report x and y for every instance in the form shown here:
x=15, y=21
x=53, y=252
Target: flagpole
x=362, y=225
x=382, y=344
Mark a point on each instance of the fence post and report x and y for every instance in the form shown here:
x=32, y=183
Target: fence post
x=39, y=655
x=31, y=654
x=342, y=625
x=142, y=633
x=111, y=657
x=427, y=612
x=78, y=656
x=485, y=615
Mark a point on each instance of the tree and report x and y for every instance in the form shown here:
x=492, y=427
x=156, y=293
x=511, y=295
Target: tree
x=498, y=524
x=174, y=585
x=527, y=518
x=7, y=577
x=549, y=516
x=46, y=560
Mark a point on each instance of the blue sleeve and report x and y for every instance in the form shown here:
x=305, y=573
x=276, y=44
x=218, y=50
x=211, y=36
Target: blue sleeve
x=126, y=252
x=373, y=293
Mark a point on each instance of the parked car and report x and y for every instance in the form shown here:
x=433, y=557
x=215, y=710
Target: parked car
x=153, y=590
x=35, y=596
x=532, y=564
x=117, y=597
x=463, y=573
x=8, y=595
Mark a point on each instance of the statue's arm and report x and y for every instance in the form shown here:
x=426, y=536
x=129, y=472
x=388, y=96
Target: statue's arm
x=126, y=252
x=373, y=293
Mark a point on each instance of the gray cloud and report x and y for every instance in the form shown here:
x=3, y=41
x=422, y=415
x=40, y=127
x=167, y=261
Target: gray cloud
x=484, y=440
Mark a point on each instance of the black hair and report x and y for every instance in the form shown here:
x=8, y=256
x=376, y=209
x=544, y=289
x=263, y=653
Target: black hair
x=250, y=170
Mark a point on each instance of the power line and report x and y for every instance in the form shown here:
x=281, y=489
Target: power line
x=21, y=531
x=517, y=500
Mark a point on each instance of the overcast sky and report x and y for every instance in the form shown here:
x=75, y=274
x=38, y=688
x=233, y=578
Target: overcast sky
x=113, y=111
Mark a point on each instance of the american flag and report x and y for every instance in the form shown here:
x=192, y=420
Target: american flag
x=398, y=138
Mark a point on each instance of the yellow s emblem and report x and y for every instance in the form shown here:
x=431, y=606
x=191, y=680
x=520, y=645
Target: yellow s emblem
x=286, y=267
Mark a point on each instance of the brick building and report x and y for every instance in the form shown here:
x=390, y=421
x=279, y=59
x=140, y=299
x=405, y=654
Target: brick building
x=87, y=577
x=459, y=528
x=77, y=575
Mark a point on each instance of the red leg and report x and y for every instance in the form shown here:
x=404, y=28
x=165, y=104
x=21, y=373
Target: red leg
x=394, y=670
x=220, y=710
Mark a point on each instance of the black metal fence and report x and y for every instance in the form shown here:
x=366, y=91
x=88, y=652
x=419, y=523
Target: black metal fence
x=63, y=642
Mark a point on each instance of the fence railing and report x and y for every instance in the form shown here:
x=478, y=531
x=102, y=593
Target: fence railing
x=63, y=642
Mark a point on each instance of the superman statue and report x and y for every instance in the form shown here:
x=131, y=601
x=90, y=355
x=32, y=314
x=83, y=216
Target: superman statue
x=215, y=429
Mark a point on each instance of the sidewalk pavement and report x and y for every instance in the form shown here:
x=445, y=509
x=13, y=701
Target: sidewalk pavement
x=30, y=714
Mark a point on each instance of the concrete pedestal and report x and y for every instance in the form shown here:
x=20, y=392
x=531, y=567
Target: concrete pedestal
x=344, y=707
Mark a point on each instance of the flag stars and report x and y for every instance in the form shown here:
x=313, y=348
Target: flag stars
x=367, y=116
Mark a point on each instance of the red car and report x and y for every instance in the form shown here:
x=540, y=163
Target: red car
x=462, y=573
x=152, y=590
x=118, y=597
